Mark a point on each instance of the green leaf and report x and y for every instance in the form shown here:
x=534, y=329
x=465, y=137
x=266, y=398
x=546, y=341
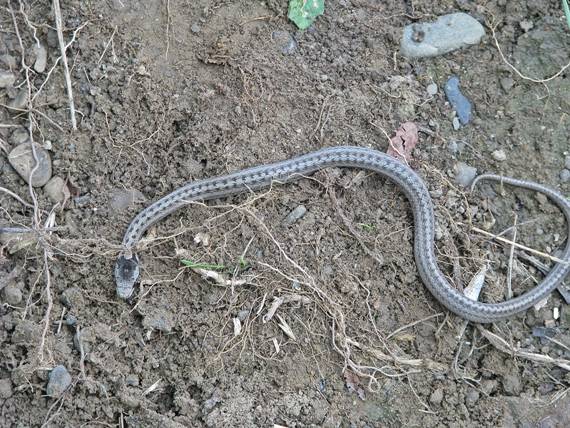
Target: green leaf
x=304, y=12
x=566, y=11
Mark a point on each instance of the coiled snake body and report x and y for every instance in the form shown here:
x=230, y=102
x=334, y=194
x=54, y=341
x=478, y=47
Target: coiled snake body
x=127, y=266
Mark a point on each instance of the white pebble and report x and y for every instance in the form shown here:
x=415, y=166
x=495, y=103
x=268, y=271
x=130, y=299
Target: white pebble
x=499, y=155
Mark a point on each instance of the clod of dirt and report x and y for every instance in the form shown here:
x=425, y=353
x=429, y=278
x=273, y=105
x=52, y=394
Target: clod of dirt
x=465, y=174
x=159, y=319
x=512, y=384
x=26, y=333
x=12, y=295
x=499, y=155
x=56, y=190
x=448, y=33
x=22, y=160
x=59, y=381
x=284, y=41
x=19, y=135
x=7, y=79
x=5, y=388
x=471, y=397
x=72, y=298
x=20, y=102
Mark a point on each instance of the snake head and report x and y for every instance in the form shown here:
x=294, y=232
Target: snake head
x=126, y=275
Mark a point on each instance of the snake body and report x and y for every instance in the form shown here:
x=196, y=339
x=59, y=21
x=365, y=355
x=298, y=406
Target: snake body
x=127, y=267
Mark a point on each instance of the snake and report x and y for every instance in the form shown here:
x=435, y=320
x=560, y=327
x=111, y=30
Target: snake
x=127, y=267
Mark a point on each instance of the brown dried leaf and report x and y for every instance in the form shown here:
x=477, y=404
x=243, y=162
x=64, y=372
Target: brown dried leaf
x=402, y=144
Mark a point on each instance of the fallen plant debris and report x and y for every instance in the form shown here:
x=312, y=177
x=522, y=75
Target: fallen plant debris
x=403, y=143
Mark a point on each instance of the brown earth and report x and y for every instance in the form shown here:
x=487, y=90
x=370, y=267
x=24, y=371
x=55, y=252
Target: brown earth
x=171, y=91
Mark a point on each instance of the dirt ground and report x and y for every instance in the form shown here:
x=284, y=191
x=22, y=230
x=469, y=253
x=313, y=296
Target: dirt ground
x=176, y=90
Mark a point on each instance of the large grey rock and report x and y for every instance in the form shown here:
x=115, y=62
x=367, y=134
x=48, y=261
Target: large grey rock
x=448, y=33
x=22, y=160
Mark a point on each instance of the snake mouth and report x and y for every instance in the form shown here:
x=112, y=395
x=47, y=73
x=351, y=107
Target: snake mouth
x=126, y=275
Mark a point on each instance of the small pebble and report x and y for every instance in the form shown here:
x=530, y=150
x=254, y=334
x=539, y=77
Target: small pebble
x=195, y=28
x=20, y=102
x=436, y=397
x=284, y=42
x=567, y=162
x=59, y=381
x=82, y=201
x=455, y=123
x=5, y=389
x=295, y=215
x=22, y=160
x=7, y=79
x=507, y=83
x=565, y=175
x=448, y=33
x=243, y=314
x=465, y=174
x=458, y=101
x=41, y=58
x=12, y=295
x=432, y=88
x=499, y=155
x=56, y=190
x=70, y=320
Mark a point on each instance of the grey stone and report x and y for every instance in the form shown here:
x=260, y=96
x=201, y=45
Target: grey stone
x=465, y=174
x=195, y=28
x=7, y=79
x=22, y=160
x=432, y=88
x=12, y=295
x=41, y=58
x=458, y=101
x=564, y=175
x=455, y=123
x=56, y=190
x=448, y=33
x=567, y=162
x=123, y=199
x=5, y=389
x=15, y=242
x=284, y=41
x=295, y=215
x=59, y=381
x=70, y=320
x=436, y=397
x=243, y=314
x=20, y=102
x=499, y=155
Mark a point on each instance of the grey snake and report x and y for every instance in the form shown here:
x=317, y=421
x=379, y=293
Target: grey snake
x=127, y=266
